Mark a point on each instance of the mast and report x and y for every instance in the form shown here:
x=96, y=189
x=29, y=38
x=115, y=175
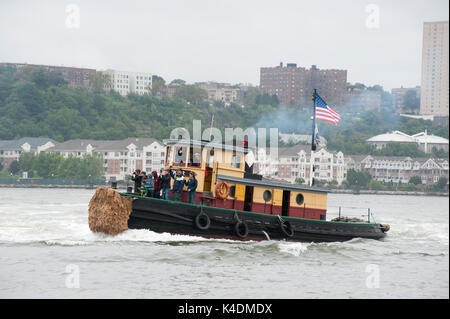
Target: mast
x=210, y=129
x=313, y=142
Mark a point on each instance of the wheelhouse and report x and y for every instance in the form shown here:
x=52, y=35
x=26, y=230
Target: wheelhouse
x=225, y=180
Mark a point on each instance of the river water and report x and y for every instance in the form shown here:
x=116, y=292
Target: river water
x=48, y=251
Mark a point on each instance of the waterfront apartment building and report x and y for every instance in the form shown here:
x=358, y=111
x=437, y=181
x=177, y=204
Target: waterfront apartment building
x=10, y=150
x=435, y=77
x=397, y=169
x=295, y=162
x=125, y=82
x=75, y=77
x=121, y=157
x=294, y=85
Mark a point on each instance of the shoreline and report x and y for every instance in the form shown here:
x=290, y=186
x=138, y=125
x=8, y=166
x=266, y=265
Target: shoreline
x=332, y=191
x=384, y=192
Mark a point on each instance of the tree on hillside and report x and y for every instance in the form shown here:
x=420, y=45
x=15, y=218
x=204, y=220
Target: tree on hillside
x=178, y=81
x=191, y=94
x=266, y=99
x=411, y=102
x=40, y=76
x=99, y=81
x=158, y=85
x=399, y=149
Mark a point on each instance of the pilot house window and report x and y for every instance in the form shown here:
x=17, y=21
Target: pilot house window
x=180, y=155
x=195, y=156
x=236, y=161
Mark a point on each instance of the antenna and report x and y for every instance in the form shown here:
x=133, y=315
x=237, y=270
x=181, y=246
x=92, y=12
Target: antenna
x=313, y=142
x=210, y=129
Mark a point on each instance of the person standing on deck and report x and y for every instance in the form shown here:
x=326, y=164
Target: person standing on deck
x=178, y=185
x=137, y=178
x=191, y=187
x=165, y=184
x=156, y=184
x=149, y=186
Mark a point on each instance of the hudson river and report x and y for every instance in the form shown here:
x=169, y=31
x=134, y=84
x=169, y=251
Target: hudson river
x=48, y=251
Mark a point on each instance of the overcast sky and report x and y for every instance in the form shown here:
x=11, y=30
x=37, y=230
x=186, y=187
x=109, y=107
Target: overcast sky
x=226, y=40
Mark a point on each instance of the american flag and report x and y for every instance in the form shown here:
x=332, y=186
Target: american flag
x=324, y=112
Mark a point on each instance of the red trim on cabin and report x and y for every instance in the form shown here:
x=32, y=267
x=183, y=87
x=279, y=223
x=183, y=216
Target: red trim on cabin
x=299, y=212
x=308, y=213
x=266, y=208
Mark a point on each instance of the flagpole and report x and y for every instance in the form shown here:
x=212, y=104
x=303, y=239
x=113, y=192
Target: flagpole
x=313, y=142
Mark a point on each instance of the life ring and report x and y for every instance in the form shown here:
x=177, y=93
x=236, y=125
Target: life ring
x=241, y=229
x=222, y=190
x=286, y=228
x=202, y=221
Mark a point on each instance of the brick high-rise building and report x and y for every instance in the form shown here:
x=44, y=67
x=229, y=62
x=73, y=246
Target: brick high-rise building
x=434, y=89
x=288, y=83
x=294, y=85
x=331, y=84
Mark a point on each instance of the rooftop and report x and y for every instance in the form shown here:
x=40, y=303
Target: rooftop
x=103, y=145
x=401, y=137
x=34, y=143
x=395, y=136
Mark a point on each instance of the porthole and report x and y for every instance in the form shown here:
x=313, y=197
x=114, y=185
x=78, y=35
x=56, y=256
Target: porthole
x=299, y=199
x=267, y=195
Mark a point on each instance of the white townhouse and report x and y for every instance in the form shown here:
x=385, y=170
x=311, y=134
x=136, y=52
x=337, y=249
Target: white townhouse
x=399, y=169
x=295, y=162
x=10, y=150
x=121, y=157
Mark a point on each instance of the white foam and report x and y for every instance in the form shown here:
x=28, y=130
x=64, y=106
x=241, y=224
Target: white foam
x=295, y=249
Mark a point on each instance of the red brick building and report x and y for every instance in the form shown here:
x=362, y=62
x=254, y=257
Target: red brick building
x=75, y=77
x=294, y=85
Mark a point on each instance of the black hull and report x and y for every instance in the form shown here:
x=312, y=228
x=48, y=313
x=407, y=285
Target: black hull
x=180, y=218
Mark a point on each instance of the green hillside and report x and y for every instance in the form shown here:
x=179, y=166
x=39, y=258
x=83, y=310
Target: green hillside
x=36, y=103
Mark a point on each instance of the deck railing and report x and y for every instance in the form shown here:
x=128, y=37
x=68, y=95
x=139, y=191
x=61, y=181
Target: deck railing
x=355, y=212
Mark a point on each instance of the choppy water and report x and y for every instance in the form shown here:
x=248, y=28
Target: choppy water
x=48, y=251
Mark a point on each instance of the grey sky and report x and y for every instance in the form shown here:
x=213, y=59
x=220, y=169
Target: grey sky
x=227, y=41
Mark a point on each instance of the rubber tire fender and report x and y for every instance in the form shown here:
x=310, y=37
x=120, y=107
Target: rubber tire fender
x=198, y=221
x=238, y=230
x=286, y=229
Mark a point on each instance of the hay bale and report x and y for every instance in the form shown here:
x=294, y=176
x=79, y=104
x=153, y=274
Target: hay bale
x=109, y=212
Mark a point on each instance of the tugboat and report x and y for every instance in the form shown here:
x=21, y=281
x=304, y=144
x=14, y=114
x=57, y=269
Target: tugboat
x=233, y=203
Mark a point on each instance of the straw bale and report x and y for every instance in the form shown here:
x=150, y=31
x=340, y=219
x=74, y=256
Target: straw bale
x=109, y=212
